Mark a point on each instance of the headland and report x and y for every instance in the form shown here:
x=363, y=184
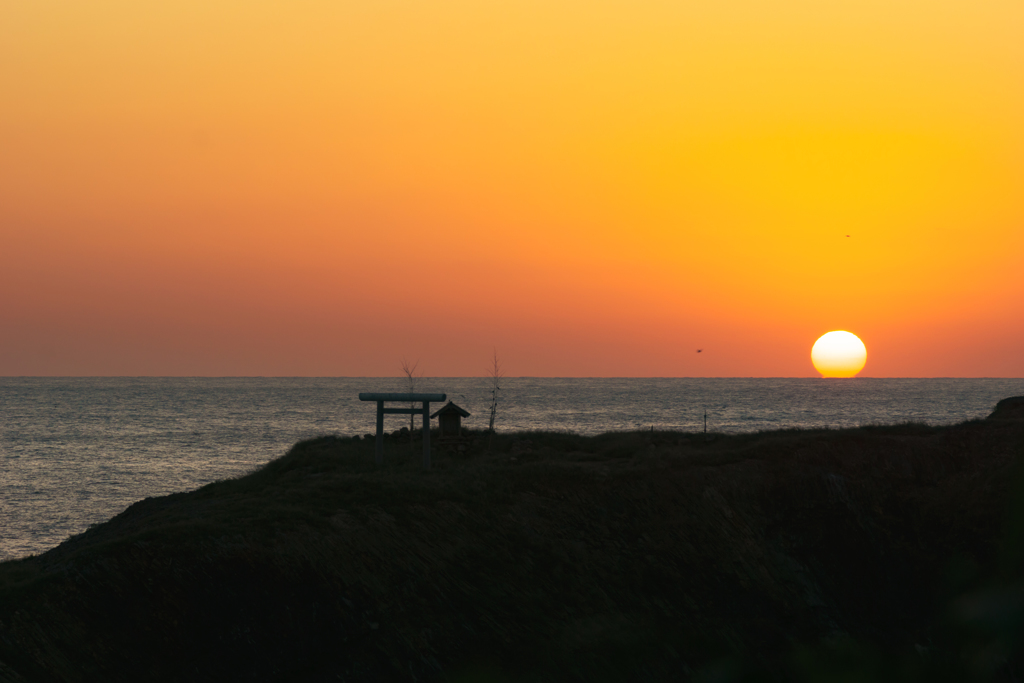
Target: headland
x=651, y=556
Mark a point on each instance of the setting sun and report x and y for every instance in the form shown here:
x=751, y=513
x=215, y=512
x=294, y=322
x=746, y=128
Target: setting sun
x=839, y=354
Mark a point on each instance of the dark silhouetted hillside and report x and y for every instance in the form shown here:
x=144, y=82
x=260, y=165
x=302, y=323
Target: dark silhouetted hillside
x=791, y=555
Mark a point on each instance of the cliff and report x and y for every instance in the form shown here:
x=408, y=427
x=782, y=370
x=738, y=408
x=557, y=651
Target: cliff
x=629, y=556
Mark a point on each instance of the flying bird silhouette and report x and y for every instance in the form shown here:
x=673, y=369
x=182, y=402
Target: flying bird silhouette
x=699, y=350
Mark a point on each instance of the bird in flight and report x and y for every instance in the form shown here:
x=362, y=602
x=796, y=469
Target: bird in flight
x=699, y=350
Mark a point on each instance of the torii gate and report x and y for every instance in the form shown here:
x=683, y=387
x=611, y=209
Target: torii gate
x=426, y=399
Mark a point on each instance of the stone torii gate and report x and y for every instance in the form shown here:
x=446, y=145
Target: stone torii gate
x=425, y=399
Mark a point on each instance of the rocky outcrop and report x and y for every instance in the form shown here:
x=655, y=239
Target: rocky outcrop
x=1009, y=409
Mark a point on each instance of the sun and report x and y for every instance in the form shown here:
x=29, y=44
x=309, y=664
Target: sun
x=839, y=354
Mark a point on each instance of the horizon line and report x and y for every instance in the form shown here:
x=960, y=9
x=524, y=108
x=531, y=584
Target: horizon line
x=507, y=377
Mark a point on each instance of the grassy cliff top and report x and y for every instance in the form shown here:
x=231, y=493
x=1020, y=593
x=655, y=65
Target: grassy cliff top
x=653, y=556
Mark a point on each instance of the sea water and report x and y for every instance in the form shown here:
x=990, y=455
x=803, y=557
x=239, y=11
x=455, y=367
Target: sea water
x=77, y=451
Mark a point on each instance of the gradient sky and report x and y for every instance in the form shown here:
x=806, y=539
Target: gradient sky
x=599, y=188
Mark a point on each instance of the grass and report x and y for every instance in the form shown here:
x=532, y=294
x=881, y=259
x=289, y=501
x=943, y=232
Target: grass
x=550, y=556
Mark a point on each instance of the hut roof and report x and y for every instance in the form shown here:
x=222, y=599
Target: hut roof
x=449, y=408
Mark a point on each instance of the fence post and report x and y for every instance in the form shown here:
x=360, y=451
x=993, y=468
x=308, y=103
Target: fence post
x=380, y=433
x=426, y=435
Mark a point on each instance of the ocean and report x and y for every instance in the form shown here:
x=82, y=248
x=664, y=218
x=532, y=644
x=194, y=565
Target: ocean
x=77, y=451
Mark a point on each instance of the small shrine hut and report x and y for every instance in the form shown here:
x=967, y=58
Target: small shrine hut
x=449, y=420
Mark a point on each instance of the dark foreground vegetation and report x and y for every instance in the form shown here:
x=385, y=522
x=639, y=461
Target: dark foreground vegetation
x=879, y=553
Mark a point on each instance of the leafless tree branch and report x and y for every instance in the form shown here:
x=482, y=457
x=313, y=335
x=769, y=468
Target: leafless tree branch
x=409, y=370
x=496, y=373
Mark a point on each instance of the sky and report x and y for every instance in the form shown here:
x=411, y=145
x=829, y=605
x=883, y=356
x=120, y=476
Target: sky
x=599, y=188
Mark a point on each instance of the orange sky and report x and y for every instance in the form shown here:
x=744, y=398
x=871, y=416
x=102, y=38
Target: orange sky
x=592, y=188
